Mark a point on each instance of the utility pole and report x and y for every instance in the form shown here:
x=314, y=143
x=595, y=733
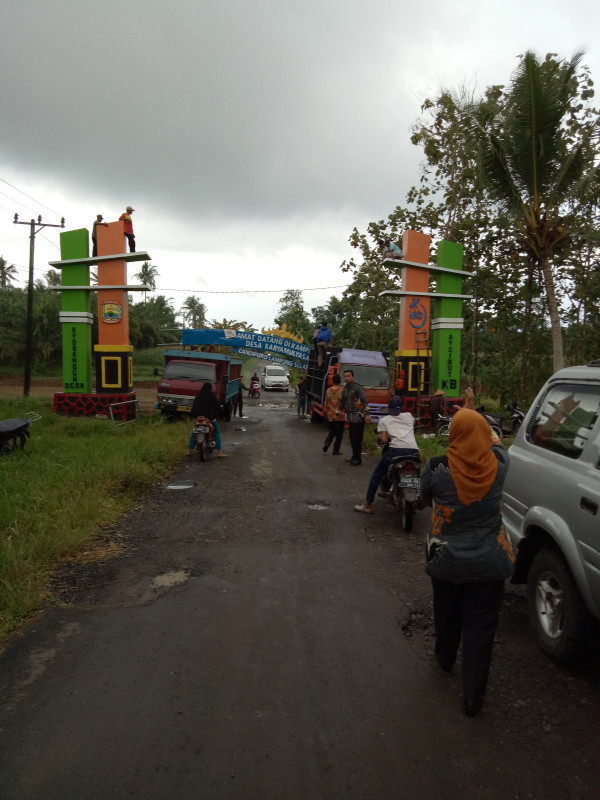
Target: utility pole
x=29, y=328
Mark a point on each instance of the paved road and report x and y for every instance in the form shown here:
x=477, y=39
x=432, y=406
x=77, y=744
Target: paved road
x=247, y=644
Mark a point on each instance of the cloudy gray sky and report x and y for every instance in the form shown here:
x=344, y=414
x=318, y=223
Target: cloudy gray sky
x=250, y=136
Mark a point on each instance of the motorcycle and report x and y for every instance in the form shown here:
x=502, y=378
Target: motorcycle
x=404, y=482
x=442, y=425
x=203, y=431
x=14, y=432
x=516, y=416
x=493, y=420
x=254, y=389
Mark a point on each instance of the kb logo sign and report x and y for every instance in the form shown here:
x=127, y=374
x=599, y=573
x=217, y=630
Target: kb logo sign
x=417, y=313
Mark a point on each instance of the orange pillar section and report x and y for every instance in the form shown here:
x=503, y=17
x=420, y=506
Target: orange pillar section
x=113, y=307
x=414, y=311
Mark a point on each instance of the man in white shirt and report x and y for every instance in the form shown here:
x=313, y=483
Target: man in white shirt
x=397, y=430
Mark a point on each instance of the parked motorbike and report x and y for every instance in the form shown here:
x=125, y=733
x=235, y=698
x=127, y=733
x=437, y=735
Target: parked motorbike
x=14, y=432
x=203, y=431
x=494, y=421
x=516, y=416
x=441, y=426
x=254, y=389
x=403, y=480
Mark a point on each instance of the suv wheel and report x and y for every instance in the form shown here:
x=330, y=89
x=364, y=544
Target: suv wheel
x=556, y=611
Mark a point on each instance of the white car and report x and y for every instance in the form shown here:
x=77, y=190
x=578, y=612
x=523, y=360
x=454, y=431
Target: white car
x=275, y=378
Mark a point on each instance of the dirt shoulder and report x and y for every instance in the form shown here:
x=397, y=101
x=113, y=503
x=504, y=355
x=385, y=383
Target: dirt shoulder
x=11, y=386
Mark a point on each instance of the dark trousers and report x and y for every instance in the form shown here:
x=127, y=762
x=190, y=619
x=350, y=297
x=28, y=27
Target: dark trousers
x=237, y=404
x=470, y=610
x=131, y=240
x=336, y=431
x=94, y=248
x=355, y=432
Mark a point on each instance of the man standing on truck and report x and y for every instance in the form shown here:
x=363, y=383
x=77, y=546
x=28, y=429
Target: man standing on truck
x=354, y=403
x=323, y=339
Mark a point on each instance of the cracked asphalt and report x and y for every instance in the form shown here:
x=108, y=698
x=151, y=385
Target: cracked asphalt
x=253, y=637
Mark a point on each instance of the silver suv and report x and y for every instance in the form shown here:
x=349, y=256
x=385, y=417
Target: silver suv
x=551, y=509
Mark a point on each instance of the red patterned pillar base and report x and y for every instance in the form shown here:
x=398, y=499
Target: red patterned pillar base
x=92, y=405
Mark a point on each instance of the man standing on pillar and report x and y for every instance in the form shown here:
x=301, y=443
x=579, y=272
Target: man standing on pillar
x=126, y=218
x=97, y=221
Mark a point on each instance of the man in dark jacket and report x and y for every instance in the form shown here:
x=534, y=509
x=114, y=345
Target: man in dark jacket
x=354, y=403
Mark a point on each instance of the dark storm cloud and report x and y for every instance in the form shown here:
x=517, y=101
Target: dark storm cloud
x=219, y=108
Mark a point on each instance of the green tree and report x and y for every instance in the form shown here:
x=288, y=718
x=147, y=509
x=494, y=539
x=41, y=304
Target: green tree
x=193, y=313
x=7, y=273
x=147, y=276
x=152, y=321
x=230, y=324
x=535, y=157
x=292, y=313
x=53, y=277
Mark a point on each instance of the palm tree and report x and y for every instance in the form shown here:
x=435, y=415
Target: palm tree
x=194, y=312
x=533, y=164
x=147, y=275
x=7, y=273
x=232, y=325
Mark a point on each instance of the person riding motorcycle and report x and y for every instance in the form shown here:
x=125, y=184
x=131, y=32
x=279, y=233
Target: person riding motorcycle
x=206, y=405
x=396, y=430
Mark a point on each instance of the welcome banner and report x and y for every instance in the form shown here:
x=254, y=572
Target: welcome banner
x=287, y=343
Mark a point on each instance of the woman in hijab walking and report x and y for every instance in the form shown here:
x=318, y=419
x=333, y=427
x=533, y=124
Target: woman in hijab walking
x=468, y=553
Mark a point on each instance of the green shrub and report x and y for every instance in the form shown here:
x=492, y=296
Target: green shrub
x=75, y=476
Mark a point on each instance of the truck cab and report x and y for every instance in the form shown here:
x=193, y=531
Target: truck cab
x=370, y=371
x=186, y=371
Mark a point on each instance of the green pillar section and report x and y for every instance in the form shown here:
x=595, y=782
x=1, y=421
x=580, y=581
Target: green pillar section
x=447, y=321
x=75, y=316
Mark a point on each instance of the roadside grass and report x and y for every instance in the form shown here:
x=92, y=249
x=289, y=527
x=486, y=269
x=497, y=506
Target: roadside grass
x=75, y=477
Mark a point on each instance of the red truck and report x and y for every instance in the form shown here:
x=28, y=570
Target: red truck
x=370, y=370
x=185, y=373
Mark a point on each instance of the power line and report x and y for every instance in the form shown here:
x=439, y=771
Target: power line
x=29, y=197
x=18, y=202
x=253, y=291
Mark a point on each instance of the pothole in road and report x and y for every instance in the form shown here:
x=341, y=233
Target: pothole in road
x=318, y=507
x=169, y=579
x=183, y=485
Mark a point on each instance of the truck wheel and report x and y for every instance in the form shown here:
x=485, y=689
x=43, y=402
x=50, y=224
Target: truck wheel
x=557, y=612
x=227, y=412
x=315, y=417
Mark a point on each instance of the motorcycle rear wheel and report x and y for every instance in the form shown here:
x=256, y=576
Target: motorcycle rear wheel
x=202, y=447
x=406, y=514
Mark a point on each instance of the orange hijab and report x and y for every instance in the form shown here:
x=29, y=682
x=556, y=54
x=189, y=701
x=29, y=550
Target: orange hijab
x=473, y=466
